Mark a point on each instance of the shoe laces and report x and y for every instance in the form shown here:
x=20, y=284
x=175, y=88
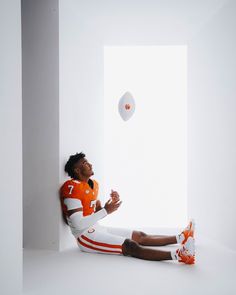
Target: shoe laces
x=184, y=251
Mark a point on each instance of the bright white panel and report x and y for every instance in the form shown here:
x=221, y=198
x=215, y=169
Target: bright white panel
x=145, y=157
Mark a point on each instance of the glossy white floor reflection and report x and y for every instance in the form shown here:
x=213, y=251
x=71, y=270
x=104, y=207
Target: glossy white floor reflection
x=75, y=272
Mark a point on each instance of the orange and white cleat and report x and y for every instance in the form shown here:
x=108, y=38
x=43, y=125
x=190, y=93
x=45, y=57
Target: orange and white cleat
x=186, y=253
x=186, y=233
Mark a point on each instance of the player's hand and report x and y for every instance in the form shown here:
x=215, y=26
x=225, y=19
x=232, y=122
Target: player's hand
x=114, y=196
x=98, y=206
x=111, y=206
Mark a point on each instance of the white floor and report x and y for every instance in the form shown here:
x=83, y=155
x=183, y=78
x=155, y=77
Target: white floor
x=75, y=272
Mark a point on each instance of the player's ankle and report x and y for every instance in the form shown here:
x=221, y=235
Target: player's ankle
x=179, y=238
x=174, y=255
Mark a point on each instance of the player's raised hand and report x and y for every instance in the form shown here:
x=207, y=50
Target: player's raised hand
x=111, y=206
x=114, y=196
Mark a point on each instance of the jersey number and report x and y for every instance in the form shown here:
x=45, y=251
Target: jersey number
x=71, y=189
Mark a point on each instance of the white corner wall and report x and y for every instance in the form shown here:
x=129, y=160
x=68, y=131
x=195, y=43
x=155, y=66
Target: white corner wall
x=10, y=148
x=85, y=27
x=212, y=127
x=40, y=124
x=63, y=44
x=81, y=94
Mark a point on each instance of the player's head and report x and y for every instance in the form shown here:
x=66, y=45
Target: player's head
x=78, y=167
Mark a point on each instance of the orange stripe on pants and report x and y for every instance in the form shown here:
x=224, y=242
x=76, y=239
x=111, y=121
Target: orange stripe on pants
x=101, y=244
x=97, y=249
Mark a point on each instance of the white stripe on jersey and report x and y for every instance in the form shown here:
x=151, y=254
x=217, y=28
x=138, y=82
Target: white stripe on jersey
x=72, y=203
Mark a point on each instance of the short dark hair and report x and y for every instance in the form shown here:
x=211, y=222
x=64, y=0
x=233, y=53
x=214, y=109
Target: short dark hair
x=69, y=167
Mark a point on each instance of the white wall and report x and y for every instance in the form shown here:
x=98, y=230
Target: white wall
x=10, y=148
x=40, y=123
x=212, y=126
x=61, y=120
x=84, y=28
x=81, y=95
x=146, y=157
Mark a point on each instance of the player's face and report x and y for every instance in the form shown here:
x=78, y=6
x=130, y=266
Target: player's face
x=85, y=168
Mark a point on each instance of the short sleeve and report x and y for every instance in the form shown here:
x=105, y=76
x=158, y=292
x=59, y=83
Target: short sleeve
x=72, y=190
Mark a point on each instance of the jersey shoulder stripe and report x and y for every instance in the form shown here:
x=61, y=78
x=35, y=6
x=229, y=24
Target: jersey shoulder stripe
x=72, y=203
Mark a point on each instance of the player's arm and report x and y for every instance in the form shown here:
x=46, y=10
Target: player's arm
x=75, y=213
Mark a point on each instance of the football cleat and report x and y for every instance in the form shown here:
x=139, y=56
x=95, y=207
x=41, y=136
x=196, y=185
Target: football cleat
x=186, y=253
x=187, y=232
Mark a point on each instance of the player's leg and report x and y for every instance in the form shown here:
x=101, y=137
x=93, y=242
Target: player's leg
x=160, y=240
x=134, y=249
x=118, y=231
x=152, y=240
x=132, y=234
x=141, y=237
x=185, y=254
x=96, y=240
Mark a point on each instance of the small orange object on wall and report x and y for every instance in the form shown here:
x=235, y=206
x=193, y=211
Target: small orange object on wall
x=126, y=106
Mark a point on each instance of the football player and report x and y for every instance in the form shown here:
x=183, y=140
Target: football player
x=82, y=211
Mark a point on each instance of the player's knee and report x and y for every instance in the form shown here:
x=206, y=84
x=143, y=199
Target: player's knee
x=142, y=236
x=139, y=236
x=130, y=247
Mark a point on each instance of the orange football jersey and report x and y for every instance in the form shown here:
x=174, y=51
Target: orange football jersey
x=82, y=191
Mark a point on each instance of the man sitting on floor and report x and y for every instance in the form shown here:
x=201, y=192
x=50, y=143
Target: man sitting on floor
x=82, y=211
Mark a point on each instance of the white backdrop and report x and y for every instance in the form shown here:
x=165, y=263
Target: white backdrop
x=84, y=29
x=145, y=157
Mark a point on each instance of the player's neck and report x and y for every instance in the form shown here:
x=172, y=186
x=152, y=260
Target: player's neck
x=82, y=178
